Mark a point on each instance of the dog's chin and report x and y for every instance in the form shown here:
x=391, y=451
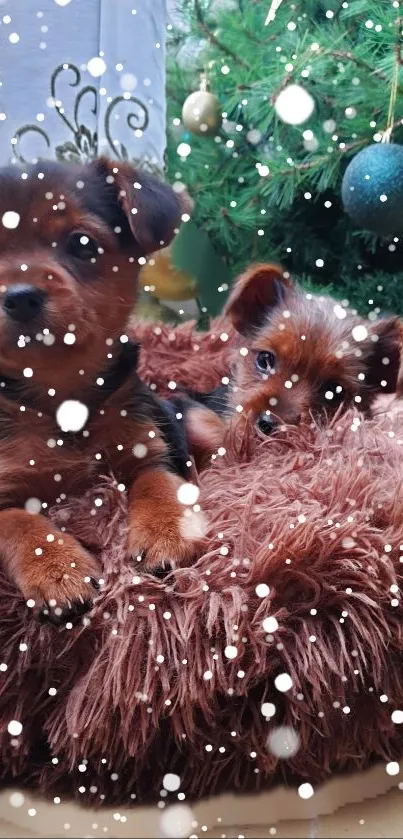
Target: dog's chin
x=38, y=348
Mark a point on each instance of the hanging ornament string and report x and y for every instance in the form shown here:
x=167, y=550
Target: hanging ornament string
x=275, y=4
x=387, y=134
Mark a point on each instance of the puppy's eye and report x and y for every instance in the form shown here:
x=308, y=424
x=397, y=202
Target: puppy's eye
x=332, y=393
x=265, y=361
x=82, y=246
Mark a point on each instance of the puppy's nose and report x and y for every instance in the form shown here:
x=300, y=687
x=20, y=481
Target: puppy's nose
x=23, y=303
x=266, y=423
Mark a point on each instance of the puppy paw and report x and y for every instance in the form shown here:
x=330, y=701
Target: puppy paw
x=64, y=584
x=164, y=530
x=156, y=543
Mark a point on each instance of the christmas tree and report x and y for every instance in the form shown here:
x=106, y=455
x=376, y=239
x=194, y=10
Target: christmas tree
x=265, y=188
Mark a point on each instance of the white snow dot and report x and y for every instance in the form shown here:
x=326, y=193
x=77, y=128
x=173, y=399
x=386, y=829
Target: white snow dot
x=14, y=38
x=17, y=799
x=14, y=728
x=28, y=372
x=171, y=782
x=268, y=709
x=262, y=590
x=11, y=219
x=294, y=105
x=96, y=66
x=359, y=333
x=383, y=198
x=140, y=450
x=230, y=651
x=69, y=338
x=62, y=2
x=270, y=624
x=33, y=505
x=339, y=311
x=176, y=821
x=207, y=675
x=72, y=415
x=305, y=791
x=184, y=149
x=188, y=494
x=283, y=682
x=283, y=742
x=128, y=81
x=397, y=717
x=392, y=768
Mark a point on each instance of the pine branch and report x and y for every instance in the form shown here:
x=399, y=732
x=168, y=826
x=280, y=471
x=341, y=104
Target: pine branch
x=297, y=206
x=364, y=65
x=213, y=38
x=323, y=158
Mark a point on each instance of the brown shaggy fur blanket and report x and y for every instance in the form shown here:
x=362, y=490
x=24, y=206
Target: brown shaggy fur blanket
x=149, y=685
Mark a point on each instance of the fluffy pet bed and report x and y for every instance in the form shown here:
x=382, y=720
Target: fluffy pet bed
x=149, y=686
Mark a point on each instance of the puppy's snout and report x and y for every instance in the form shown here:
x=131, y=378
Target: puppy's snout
x=23, y=303
x=266, y=423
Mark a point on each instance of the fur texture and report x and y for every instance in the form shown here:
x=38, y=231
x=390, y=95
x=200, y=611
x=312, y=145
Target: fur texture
x=145, y=687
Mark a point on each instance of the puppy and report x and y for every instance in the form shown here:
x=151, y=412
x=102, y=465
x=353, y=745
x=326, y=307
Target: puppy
x=72, y=408
x=298, y=357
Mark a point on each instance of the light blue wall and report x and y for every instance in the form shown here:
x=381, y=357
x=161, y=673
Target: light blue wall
x=51, y=34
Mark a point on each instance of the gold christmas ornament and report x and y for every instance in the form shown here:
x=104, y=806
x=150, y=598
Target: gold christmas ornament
x=201, y=112
x=166, y=282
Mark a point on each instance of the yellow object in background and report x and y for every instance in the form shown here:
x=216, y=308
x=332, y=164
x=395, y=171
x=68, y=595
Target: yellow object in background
x=163, y=280
x=148, y=308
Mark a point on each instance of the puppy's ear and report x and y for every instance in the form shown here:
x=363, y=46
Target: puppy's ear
x=385, y=356
x=152, y=209
x=255, y=292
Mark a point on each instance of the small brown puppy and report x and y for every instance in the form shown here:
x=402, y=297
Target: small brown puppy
x=70, y=242
x=306, y=354
x=299, y=357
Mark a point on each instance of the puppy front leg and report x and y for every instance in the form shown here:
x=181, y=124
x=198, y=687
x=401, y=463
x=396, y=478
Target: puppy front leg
x=47, y=565
x=162, y=530
x=205, y=433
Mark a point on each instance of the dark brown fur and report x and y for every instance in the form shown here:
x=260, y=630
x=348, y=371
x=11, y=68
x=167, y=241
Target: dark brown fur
x=313, y=341
x=314, y=513
x=127, y=214
x=319, y=367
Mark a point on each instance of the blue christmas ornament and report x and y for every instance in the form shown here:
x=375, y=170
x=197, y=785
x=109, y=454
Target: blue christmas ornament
x=372, y=189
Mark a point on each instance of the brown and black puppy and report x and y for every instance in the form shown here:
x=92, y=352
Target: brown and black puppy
x=71, y=405
x=298, y=357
